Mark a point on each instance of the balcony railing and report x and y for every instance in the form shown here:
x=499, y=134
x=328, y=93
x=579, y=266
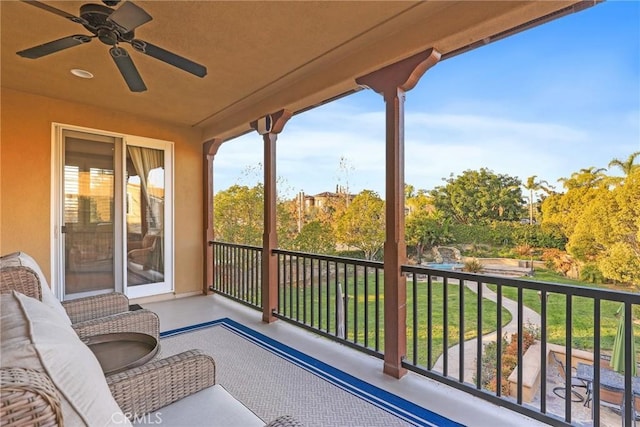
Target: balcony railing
x=428, y=286
x=238, y=272
x=342, y=299
x=339, y=298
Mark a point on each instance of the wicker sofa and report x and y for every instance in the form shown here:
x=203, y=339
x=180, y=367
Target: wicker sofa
x=100, y=314
x=49, y=377
x=42, y=356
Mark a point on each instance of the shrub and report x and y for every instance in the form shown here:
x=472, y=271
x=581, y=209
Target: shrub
x=523, y=250
x=472, y=266
x=504, y=233
x=489, y=362
x=506, y=253
x=557, y=260
x=591, y=273
x=509, y=358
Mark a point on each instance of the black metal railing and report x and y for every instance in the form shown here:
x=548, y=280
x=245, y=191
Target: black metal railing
x=342, y=299
x=448, y=310
x=339, y=298
x=237, y=272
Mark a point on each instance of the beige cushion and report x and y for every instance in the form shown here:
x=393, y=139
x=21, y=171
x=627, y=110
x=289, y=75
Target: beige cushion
x=34, y=337
x=211, y=407
x=16, y=259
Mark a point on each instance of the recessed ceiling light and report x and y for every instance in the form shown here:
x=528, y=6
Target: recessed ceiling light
x=81, y=73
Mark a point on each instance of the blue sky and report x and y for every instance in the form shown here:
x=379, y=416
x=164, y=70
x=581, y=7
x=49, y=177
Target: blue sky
x=547, y=102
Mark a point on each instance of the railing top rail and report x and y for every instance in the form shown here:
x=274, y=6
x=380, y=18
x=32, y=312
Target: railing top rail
x=559, y=288
x=355, y=261
x=234, y=245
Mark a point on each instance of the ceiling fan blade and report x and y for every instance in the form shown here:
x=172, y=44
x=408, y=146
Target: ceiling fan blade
x=127, y=69
x=56, y=11
x=169, y=57
x=129, y=16
x=54, y=46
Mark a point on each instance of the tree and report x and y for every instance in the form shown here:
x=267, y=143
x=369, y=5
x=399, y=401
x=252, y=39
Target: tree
x=417, y=201
x=345, y=167
x=627, y=165
x=584, y=244
x=287, y=222
x=332, y=209
x=563, y=210
x=585, y=178
x=315, y=237
x=425, y=230
x=607, y=232
x=533, y=185
x=238, y=214
x=362, y=225
x=620, y=232
x=479, y=197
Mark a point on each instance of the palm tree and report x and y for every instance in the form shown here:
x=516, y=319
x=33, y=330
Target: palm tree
x=590, y=177
x=533, y=185
x=627, y=165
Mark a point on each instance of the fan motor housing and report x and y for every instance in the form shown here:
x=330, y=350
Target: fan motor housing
x=108, y=33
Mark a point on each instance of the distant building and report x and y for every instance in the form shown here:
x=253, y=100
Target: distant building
x=324, y=199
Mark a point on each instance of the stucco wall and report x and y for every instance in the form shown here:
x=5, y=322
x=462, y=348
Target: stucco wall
x=25, y=176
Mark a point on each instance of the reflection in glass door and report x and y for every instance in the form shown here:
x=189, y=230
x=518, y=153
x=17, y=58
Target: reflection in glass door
x=89, y=214
x=145, y=216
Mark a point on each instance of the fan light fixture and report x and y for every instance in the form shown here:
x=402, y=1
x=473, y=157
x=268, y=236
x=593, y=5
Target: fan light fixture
x=81, y=73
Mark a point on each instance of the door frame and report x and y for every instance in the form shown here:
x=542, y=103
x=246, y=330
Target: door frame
x=57, y=212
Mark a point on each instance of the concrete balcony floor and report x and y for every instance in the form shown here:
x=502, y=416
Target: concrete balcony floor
x=446, y=401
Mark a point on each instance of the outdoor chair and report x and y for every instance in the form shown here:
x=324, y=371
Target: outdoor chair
x=576, y=382
x=141, y=253
x=614, y=399
x=94, y=315
x=611, y=398
x=49, y=377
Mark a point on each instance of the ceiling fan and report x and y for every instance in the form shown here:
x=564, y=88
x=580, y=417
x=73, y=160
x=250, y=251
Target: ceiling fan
x=112, y=27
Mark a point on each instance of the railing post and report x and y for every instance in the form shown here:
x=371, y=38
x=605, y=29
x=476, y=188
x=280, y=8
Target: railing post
x=269, y=127
x=209, y=150
x=392, y=82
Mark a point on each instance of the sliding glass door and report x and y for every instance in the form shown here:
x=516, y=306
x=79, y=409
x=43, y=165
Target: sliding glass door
x=114, y=214
x=89, y=208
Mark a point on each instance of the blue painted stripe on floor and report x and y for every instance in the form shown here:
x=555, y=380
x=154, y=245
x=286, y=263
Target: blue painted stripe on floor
x=191, y=328
x=389, y=402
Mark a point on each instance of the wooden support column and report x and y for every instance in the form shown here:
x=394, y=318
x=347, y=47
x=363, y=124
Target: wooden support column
x=269, y=127
x=209, y=150
x=392, y=82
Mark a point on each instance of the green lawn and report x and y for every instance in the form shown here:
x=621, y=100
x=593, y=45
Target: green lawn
x=437, y=331
x=297, y=303
x=310, y=306
x=583, y=328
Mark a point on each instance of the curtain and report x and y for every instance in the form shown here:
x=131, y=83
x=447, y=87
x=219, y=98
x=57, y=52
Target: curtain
x=144, y=161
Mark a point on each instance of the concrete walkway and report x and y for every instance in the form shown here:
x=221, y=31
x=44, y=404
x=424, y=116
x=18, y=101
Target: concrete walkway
x=529, y=317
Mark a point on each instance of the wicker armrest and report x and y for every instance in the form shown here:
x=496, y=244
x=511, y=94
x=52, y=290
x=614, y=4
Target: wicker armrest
x=143, y=321
x=96, y=306
x=285, y=421
x=21, y=279
x=156, y=384
x=28, y=397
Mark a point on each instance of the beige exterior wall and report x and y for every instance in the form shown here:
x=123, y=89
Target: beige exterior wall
x=25, y=176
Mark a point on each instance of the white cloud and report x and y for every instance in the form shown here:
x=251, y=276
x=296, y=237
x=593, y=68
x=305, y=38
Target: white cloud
x=436, y=145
